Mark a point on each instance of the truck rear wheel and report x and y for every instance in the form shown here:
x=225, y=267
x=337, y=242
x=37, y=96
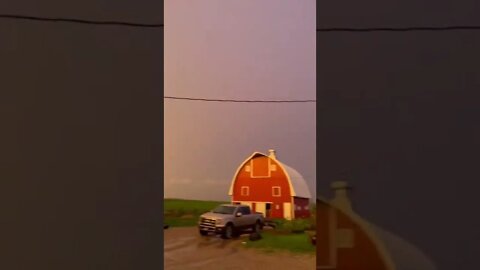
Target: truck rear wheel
x=203, y=233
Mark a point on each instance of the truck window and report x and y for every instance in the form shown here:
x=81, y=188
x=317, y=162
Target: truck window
x=244, y=210
x=222, y=209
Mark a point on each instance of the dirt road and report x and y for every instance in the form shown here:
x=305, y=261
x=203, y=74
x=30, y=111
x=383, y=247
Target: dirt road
x=185, y=250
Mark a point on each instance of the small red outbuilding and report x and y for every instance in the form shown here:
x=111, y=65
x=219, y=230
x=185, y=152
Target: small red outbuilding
x=270, y=187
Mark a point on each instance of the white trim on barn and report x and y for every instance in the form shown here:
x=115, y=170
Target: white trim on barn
x=232, y=183
x=242, y=188
x=273, y=167
x=262, y=176
x=279, y=191
x=297, y=183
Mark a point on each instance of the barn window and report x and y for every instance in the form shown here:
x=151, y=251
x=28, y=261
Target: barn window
x=273, y=167
x=247, y=168
x=306, y=207
x=245, y=191
x=276, y=192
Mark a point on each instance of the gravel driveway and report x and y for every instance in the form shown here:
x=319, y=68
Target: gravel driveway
x=184, y=249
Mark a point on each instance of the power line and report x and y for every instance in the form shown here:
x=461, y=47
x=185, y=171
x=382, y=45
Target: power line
x=400, y=29
x=239, y=100
x=160, y=25
x=81, y=21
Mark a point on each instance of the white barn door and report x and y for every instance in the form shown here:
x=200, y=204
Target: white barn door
x=287, y=211
x=261, y=208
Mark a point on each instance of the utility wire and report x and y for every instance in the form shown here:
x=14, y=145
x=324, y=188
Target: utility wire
x=239, y=101
x=158, y=25
x=81, y=21
x=400, y=29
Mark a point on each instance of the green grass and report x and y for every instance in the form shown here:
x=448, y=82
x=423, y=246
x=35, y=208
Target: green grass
x=272, y=241
x=185, y=213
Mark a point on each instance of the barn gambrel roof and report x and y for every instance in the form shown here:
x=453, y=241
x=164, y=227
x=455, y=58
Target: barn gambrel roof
x=298, y=185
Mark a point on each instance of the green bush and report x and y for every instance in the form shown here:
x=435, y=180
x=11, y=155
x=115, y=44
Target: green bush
x=272, y=242
x=312, y=222
x=278, y=222
x=281, y=225
x=293, y=226
x=300, y=225
x=286, y=227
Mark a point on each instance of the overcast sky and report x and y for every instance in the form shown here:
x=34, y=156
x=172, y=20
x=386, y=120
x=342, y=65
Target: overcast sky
x=236, y=50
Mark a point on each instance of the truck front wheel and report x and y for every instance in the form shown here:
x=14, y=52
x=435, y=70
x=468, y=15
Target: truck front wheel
x=257, y=227
x=228, y=233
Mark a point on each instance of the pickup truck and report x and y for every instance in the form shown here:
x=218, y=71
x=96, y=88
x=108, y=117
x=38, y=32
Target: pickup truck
x=229, y=220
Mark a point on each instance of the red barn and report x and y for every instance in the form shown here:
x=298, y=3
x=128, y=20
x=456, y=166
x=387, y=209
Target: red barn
x=270, y=187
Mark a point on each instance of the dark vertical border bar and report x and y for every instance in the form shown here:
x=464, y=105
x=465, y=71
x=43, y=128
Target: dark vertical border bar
x=318, y=130
x=161, y=238
x=81, y=146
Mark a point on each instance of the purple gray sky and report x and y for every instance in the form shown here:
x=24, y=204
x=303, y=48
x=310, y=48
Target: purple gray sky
x=237, y=50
